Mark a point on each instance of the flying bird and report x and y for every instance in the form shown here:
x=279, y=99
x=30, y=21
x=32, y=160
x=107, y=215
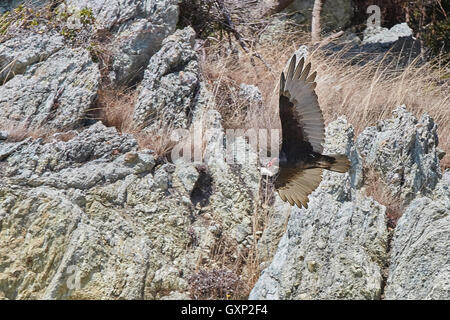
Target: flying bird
x=301, y=162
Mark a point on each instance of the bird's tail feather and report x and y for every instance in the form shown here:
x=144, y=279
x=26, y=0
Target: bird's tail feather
x=340, y=163
x=335, y=162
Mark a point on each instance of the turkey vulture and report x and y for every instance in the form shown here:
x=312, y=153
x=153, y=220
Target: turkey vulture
x=301, y=161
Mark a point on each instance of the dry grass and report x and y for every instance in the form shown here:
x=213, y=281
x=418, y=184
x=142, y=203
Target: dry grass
x=364, y=94
x=375, y=188
x=19, y=131
x=369, y=93
x=115, y=108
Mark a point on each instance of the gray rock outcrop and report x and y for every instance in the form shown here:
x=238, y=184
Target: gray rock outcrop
x=20, y=52
x=138, y=28
x=405, y=152
x=87, y=213
x=171, y=84
x=309, y=263
x=385, y=35
x=88, y=216
x=420, y=260
x=55, y=93
x=336, y=248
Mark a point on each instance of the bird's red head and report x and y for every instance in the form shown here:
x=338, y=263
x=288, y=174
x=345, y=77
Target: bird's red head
x=272, y=162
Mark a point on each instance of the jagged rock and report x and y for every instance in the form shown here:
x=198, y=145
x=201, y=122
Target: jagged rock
x=186, y=175
x=404, y=151
x=56, y=93
x=381, y=45
x=139, y=28
x=397, y=42
x=385, y=35
x=88, y=215
x=8, y=5
x=27, y=48
x=168, y=92
x=250, y=96
x=80, y=162
x=420, y=259
x=95, y=218
x=309, y=264
x=237, y=177
x=277, y=221
x=336, y=248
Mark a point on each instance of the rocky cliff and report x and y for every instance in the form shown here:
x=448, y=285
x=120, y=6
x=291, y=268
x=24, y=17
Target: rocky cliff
x=342, y=246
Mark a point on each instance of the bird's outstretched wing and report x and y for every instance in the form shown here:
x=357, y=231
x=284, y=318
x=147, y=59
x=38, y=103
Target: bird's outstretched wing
x=294, y=185
x=301, y=118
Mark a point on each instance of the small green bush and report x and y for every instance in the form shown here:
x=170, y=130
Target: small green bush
x=53, y=16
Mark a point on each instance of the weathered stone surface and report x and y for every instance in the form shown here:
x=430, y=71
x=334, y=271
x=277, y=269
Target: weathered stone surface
x=138, y=26
x=250, y=97
x=420, y=259
x=93, y=217
x=8, y=5
x=168, y=92
x=277, y=221
x=395, y=46
x=385, y=35
x=81, y=162
x=405, y=152
x=87, y=214
x=336, y=248
x=27, y=48
x=55, y=93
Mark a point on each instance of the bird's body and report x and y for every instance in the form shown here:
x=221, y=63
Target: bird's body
x=301, y=162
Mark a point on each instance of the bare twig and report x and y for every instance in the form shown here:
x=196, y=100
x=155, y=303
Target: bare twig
x=229, y=27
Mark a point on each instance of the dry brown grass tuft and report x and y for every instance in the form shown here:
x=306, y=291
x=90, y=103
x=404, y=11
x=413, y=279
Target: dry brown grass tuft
x=115, y=108
x=214, y=284
x=159, y=142
x=19, y=131
x=378, y=190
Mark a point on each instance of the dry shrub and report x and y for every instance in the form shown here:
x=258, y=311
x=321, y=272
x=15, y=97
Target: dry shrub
x=212, y=17
x=378, y=190
x=158, y=141
x=19, y=131
x=214, y=284
x=115, y=107
x=240, y=264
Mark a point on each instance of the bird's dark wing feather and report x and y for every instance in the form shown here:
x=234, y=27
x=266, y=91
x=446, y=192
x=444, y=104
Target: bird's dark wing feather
x=294, y=185
x=303, y=131
x=302, y=122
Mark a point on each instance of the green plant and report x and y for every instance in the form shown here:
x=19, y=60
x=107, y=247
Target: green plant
x=53, y=16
